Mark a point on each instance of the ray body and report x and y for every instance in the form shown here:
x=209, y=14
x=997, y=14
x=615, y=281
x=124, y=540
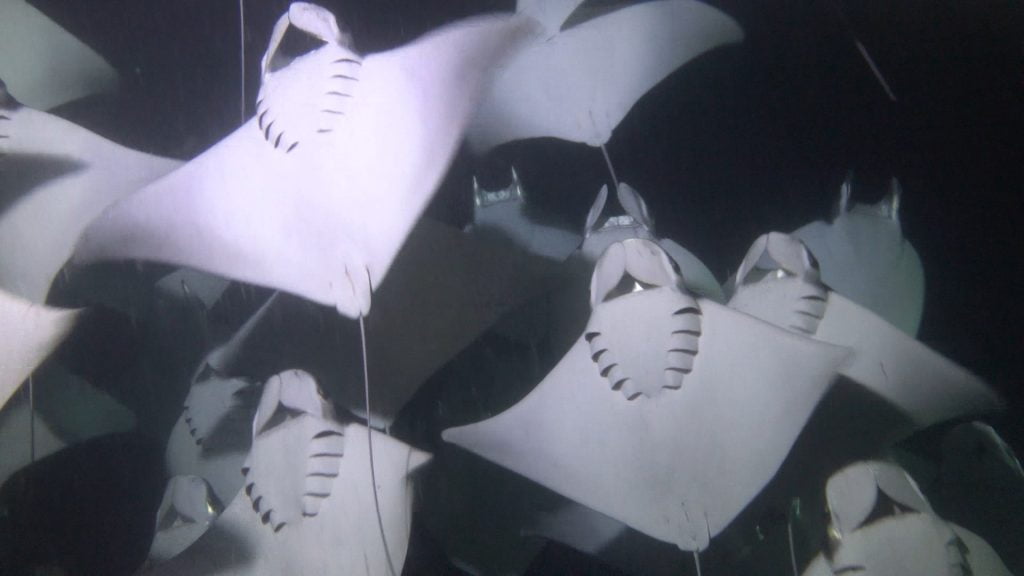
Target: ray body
x=577, y=84
x=297, y=449
x=29, y=333
x=46, y=65
x=215, y=448
x=778, y=283
x=892, y=384
x=505, y=213
x=855, y=491
x=60, y=174
x=882, y=524
x=551, y=325
x=638, y=222
x=568, y=308
x=550, y=13
x=927, y=386
x=339, y=537
x=186, y=512
x=317, y=193
x=863, y=256
x=213, y=435
x=673, y=412
x=911, y=545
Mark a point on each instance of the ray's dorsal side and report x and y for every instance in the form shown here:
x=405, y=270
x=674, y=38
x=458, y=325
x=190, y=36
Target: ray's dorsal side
x=505, y=213
x=577, y=84
x=670, y=387
x=864, y=256
x=317, y=193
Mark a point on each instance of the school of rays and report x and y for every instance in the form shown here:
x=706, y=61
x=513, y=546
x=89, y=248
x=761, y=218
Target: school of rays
x=298, y=302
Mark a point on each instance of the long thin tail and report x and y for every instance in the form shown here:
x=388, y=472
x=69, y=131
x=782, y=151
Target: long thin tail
x=241, y=54
x=31, y=420
x=611, y=169
x=369, y=442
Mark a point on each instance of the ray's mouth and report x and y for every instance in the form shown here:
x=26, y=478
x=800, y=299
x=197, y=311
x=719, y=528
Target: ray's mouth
x=628, y=285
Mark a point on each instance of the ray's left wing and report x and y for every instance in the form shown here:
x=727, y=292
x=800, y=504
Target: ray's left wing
x=28, y=334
